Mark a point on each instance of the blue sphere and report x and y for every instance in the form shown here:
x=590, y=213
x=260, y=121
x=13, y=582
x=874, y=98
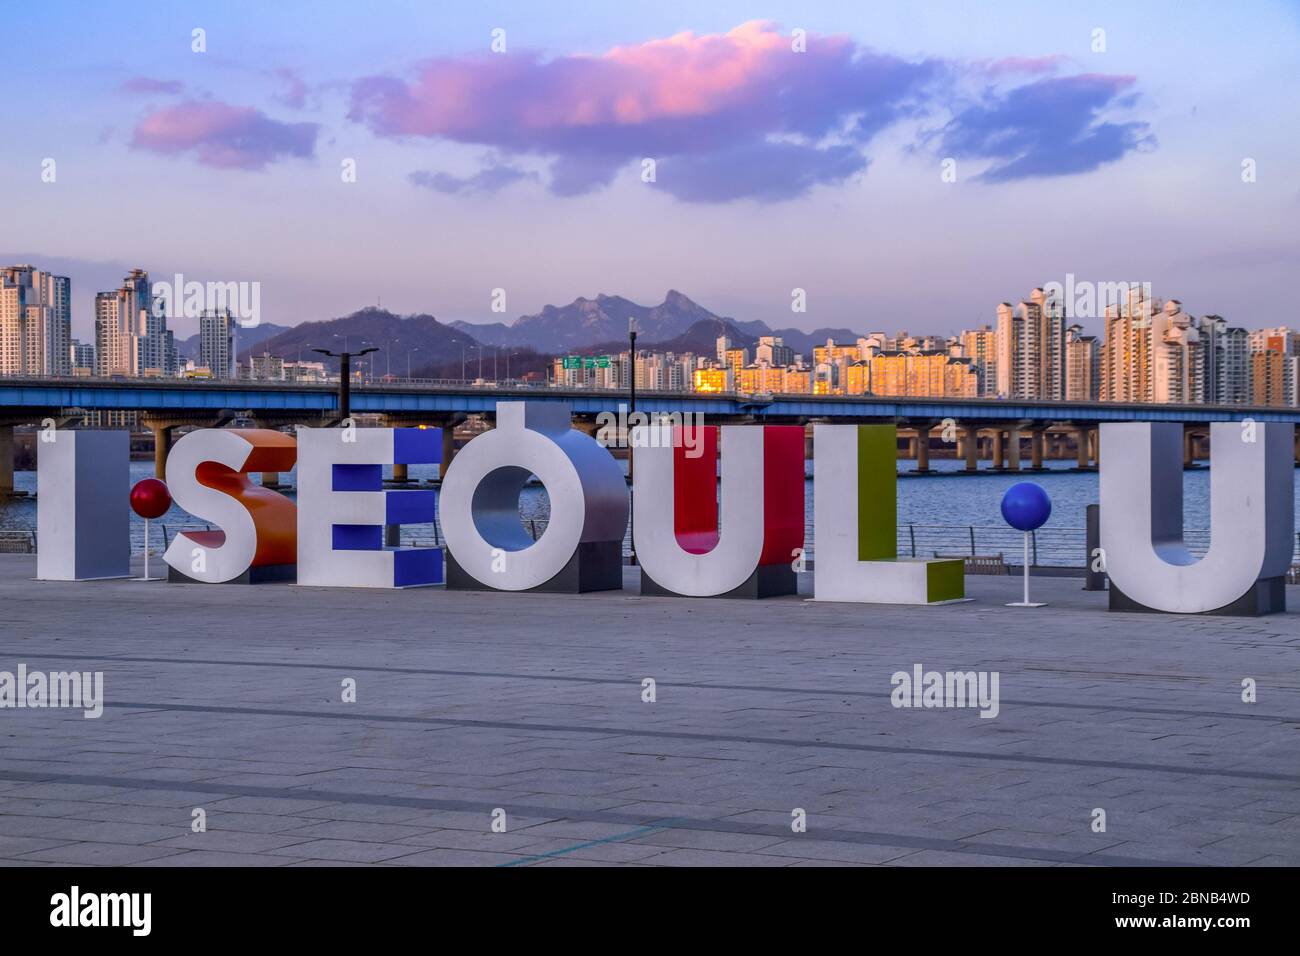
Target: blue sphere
x=1026, y=506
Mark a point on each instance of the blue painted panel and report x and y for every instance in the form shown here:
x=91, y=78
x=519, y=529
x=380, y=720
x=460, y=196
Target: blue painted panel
x=358, y=537
x=357, y=478
x=417, y=446
x=410, y=506
x=416, y=566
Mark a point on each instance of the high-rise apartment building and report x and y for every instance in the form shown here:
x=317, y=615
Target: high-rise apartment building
x=1126, y=351
x=217, y=343
x=1181, y=357
x=1231, y=363
x=773, y=351
x=81, y=358
x=1082, y=366
x=131, y=336
x=1275, y=367
x=923, y=375
x=1031, y=348
x=35, y=321
x=980, y=347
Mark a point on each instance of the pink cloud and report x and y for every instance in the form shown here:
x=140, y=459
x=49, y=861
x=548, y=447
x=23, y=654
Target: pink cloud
x=224, y=136
x=743, y=114
x=684, y=95
x=1026, y=65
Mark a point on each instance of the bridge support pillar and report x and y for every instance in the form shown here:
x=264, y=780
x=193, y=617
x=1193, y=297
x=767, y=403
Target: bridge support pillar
x=1036, y=449
x=1001, y=453
x=922, y=449
x=270, y=479
x=448, y=447
x=1081, y=448
x=971, y=448
x=162, y=444
x=6, y=461
x=400, y=473
x=1013, y=448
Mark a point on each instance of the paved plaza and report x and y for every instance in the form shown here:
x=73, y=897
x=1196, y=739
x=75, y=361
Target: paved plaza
x=229, y=699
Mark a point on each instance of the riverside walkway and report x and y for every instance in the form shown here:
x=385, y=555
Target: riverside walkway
x=530, y=711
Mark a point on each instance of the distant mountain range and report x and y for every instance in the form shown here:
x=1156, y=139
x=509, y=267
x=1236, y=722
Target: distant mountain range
x=584, y=323
x=244, y=339
x=591, y=326
x=420, y=339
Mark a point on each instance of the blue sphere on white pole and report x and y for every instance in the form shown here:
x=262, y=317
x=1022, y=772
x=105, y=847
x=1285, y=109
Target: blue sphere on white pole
x=1026, y=507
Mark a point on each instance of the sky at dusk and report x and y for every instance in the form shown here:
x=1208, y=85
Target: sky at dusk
x=774, y=169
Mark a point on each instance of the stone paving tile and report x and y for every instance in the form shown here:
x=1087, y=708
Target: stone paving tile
x=473, y=701
x=695, y=857
x=354, y=851
x=469, y=840
x=356, y=830
x=610, y=852
x=945, y=858
x=707, y=840
x=454, y=857
x=100, y=854
x=234, y=841
x=201, y=858
x=11, y=846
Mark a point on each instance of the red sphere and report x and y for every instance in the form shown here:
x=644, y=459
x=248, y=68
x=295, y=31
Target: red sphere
x=150, y=498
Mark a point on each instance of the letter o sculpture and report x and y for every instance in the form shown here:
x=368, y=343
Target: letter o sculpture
x=582, y=546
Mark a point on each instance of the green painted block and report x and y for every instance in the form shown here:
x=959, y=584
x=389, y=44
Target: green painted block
x=877, y=492
x=945, y=580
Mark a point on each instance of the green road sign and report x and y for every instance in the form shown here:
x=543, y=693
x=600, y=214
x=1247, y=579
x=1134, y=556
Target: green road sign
x=572, y=361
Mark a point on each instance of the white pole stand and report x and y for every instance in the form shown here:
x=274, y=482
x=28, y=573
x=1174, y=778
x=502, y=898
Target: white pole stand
x=1026, y=602
x=146, y=555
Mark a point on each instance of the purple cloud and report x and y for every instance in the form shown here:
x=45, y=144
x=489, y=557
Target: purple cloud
x=743, y=114
x=1011, y=65
x=144, y=85
x=490, y=179
x=768, y=172
x=225, y=136
x=1050, y=127
x=294, y=94
x=699, y=104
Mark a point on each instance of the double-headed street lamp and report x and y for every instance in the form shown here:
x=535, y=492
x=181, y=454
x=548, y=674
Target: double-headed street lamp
x=345, y=376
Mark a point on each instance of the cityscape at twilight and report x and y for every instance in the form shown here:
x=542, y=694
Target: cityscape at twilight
x=661, y=434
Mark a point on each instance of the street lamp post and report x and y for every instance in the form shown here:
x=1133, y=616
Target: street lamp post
x=631, y=381
x=345, y=376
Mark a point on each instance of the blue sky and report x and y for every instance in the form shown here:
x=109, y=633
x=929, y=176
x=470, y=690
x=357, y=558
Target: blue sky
x=479, y=170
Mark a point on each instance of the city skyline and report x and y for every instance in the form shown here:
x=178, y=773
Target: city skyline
x=1152, y=350
x=1078, y=161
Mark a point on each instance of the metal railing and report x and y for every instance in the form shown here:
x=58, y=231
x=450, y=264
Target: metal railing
x=17, y=542
x=398, y=383
x=1049, y=547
